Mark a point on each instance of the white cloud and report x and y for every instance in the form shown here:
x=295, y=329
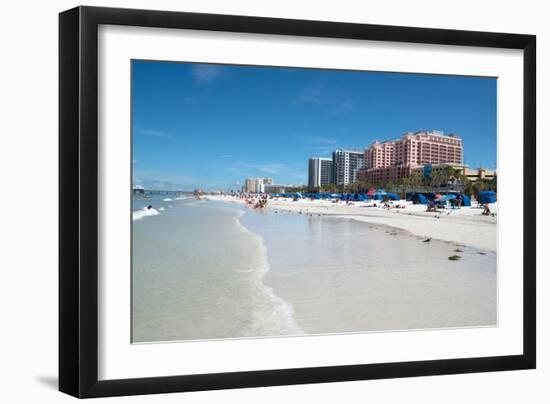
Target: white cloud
x=163, y=181
x=343, y=108
x=153, y=133
x=206, y=73
x=316, y=94
x=311, y=95
x=254, y=170
x=321, y=140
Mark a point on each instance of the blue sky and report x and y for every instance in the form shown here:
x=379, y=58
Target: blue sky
x=210, y=126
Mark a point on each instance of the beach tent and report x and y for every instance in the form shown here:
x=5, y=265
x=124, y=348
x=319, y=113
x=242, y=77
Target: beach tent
x=487, y=197
x=444, y=198
x=465, y=200
x=380, y=195
x=392, y=197
x=298, y=195
x=419, y=199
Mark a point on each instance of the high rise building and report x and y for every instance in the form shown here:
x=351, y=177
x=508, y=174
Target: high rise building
x=345, y=165
x=395, y=159
x=380, y=154
x=416, y=149
x=319, y=172
x=256, y=185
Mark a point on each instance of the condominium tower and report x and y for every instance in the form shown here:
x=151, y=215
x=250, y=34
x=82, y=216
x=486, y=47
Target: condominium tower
x=319, y=172
x=345, y=165
x=416, y=149
x=394, y=159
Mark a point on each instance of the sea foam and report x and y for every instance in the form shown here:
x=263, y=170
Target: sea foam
x=279, y=318
x=139, y=214
x=167, y=199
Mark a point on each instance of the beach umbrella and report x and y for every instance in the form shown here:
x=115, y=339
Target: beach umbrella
x=487, y=197
x=445, y=198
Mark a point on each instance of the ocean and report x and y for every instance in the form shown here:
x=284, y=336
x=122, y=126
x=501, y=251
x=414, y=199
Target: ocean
x=208, y=270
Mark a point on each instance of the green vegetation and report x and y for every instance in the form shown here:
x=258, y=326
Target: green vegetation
x=474, y=188
x=448, y=177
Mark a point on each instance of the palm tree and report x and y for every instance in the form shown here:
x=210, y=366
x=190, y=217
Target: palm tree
x=414, y=181
x=405, y=183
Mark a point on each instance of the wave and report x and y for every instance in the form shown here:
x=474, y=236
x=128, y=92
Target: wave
x=279, y=318
x=167, y=199
x=140, y=214
x=181, y=198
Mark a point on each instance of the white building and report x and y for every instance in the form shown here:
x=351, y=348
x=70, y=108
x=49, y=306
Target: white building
x=345, y=164
x=256, y=185
x=319, y=172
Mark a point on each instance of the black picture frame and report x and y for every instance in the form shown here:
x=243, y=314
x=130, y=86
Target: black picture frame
x=78, y=201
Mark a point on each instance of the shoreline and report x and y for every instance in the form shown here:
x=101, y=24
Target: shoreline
x=296, y=274
x=465, y=226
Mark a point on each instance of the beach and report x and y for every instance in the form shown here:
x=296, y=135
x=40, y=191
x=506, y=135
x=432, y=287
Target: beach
x=464, y=226
x=216, y=268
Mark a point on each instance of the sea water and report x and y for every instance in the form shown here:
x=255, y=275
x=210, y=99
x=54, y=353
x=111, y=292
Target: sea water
x=197, y=273
x=205, y=270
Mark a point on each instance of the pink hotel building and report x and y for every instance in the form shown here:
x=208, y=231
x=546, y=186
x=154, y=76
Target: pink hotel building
x=394, y=159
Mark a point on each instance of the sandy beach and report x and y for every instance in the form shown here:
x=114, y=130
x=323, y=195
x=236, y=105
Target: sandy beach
x=464, y=226
x=217, y=268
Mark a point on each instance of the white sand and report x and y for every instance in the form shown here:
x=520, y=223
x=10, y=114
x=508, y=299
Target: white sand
x=465, y=226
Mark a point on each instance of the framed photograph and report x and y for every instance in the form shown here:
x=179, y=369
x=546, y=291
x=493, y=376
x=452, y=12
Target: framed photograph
x=250, y=201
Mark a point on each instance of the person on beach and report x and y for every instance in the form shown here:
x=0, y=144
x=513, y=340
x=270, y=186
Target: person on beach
x=431, y=207
x=486, y=210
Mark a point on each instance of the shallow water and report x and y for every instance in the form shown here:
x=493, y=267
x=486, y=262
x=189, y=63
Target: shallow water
x=205, y=270
x=197, y=273
x=341, y=275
